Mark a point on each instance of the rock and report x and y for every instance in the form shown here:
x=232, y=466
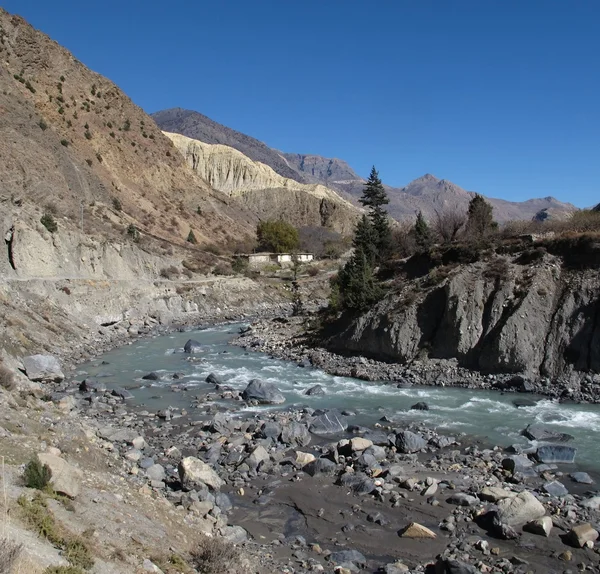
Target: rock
x=545, y=433
x=541, y=526
x=221, y=423
x=555, y=488
x=192, y=346
x=552, y=453
x=138, y=442
x=315, y=391
x=263, y=393
x=319, y=466
x=395, y=568
x=66, y=479
x=271, y=430
x=358, y=482
x=581, y=535
x=408, y=442
x=149, y=566
x=214, y=379
x=420, y=406
x=295, y=434
x=303, y=458
x=463, y=499
x=450, y=566
x=358, y=444
x=342, y=556
x=194, y=473
x=43, y=368
x=330, y=422
x=151, y=377
x=416, y=530
x=516, y=463
x=581, y=478
x=520, y=509
x=156, y=472
x=521, y=403
x=592, y=503
x=122, y=393
x=117, y=435
x=494, y=494
x=234, y=534
x=92, y=386
x=259, y=454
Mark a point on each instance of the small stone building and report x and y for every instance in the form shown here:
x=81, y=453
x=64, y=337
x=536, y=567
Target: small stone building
x=283, y=259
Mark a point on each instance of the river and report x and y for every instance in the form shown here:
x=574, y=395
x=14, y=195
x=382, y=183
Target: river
x=487, y=415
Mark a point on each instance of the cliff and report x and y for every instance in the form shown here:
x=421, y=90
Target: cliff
x=263, y=191
x=535, y=312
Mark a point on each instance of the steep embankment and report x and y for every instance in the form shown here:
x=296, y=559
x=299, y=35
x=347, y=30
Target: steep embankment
x=536, y=313
x=263, y=191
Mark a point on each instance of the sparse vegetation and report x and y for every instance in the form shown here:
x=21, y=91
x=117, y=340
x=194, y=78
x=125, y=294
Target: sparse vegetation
x=9, y=552
x=64, y=142
x=170, y=272
x=191, y=238
x=239, y=265
x=89, y=162
x=7, y=379
x=43, y=125
x=216, y=556
x=88, y=134
x=133, y=232
x=36, y=474
x=116, y=203
x=49, y=222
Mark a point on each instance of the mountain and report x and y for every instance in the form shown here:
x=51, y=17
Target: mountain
x=264, y=192
x=73, y=143
x=427, y=194
x=197, y=126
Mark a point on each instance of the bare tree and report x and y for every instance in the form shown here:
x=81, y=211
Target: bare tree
x=448, y=224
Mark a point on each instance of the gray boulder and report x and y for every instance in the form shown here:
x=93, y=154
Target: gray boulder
x=552, y=453
x=151, y=376
x=316, y=390
x=214, y=379
x=66, y=479
x=92, y=386
x=555, y=488
x=353, y=556
x=330, y=422
x=463, y=499
x=43, y=368
x=263, y=393
x=156, y=472
x=319, y=466
x=581, y=478
x=194, y=474
x=516, y=463
x=358, y=482
x=295, y=434
x=122, y=393
x=420, y=406
x=520, y=509
x=408, y=442
x=192, y=346
x=545, y=433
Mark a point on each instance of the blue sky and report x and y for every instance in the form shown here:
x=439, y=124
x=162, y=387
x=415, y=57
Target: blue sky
x=498, y=96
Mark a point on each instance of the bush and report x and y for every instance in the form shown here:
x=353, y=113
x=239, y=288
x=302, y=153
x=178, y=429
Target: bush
x=191, y=238
x=36, y=474
x=49, y=222
x=133, y=232
x=216, y=556
x=239, y=265
x=64, y=142
x=7, y=379
x=277, y=236
x=313, y=270
x=117, y=204
x=169, y=272
x=43, y=125
x=223, y=269
x=88, y=135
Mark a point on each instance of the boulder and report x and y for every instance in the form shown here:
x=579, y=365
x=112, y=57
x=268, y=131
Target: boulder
x=420, y=406
x=582, y=535
x=295, y=434
x=194, y=473
x=156, y=472
x=520, y=509
x=416, y=530
x=43, y=368
x=320, y=466
x=545, y=433
x=555, y=488
x=303, y=458
x=353, y=556
x=592, y=503
x=358, y=482
x=263, y=393
x=516, y=463
x=122, y=393
x=450, y=566
x=315, y=391
x=234, y=534
x=258, y=455
x=581, y=478
x=463, y=499
x=271, y=429
x=221, y=423
x=151, y=376
x=92, y=386
x=495, y=493
x=541, y=526
x=192, y=346
x=552, y=453
x=214, y=379
x=66, y=479
x=409, y=442
x=330, y=422
x=359, y=444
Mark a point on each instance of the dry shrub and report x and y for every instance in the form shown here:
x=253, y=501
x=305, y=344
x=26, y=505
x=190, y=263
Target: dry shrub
x=313, y=271
x=9, y=552
x=169, y=272
x=223, y=269
x=7, y=379
x=217, y=556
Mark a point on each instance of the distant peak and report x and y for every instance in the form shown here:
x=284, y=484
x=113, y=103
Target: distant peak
x=428, y=177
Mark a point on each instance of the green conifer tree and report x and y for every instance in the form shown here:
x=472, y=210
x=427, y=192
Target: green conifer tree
x=357, y=284
x=375, y=198
x=480, y=221
x=422, y=232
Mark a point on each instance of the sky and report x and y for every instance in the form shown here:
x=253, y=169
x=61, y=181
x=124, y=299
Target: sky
x=498, y=96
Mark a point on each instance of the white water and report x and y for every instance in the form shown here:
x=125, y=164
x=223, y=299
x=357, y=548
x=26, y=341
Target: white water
x=484, y=414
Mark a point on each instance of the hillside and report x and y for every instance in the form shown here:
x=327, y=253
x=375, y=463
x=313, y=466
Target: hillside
x=73, y=143
x=427, y=194
x=263, y=191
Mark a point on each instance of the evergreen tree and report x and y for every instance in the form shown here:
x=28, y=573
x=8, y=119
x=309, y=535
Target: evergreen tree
x=375, y=198
x=357, y=286
x=191, y=238
x=422, y=233
x=480, y=221
x=365, y=238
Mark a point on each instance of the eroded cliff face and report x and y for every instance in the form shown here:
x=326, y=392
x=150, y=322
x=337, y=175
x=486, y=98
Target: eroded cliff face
x=495, y=316
x=262, y=190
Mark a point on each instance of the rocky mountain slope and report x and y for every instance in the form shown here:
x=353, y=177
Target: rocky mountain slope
x=73, y=142
x=427, y=194
x=535, y=311
x=263, y=191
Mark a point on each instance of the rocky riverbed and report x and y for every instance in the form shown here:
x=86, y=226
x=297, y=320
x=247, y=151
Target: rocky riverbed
x=305, y=490
x=286, y=338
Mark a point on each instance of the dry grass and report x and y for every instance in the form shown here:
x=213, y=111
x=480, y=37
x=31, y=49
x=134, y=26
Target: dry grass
x=217, y=556
x=9, y=553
